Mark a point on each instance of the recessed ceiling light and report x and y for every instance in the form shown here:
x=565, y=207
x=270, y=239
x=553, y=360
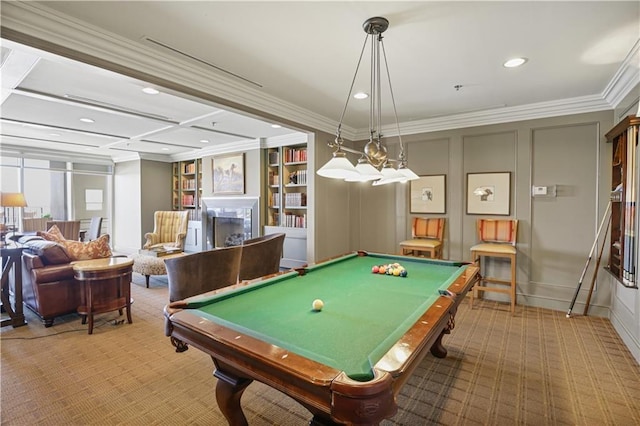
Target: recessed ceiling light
x=204, y=140
x=276, y=126
x=87, y=120
x=164, y=149
x=54, y=134
x=514, y=62
x=150, y=91
x=361, y=95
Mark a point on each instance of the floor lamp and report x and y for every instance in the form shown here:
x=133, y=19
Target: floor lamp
x=14, y=200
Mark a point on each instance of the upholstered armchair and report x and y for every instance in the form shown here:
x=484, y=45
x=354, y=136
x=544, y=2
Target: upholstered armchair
x=169, y=229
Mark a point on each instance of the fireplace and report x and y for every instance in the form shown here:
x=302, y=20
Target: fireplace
x=228, y=221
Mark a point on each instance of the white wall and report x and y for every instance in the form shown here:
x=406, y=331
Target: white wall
x=127, y=210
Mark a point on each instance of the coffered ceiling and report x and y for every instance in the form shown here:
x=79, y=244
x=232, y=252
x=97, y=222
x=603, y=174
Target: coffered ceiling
x=294, y=61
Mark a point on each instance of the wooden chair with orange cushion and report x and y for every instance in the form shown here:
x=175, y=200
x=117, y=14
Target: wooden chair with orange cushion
x=427, y=236
x=497, y=238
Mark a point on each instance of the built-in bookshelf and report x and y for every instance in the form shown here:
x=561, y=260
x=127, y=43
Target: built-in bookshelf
x=624, y=174
x=187, y=187
x=288, y=194
x=287, y=186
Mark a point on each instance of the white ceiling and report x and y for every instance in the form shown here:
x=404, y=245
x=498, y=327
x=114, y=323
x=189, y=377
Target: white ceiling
x=302, y=56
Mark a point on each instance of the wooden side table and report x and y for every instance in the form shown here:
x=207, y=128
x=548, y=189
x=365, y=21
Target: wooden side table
x=106, y=286
x=12, y=263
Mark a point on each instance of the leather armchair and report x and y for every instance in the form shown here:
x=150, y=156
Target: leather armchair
x=261, y=256
x=201, y=272
x=169, y=229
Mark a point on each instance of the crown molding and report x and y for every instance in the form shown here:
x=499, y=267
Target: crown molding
x=557, y=108
x=33, y=23
x=29, y=23
x=625, y=79
x=284, y=140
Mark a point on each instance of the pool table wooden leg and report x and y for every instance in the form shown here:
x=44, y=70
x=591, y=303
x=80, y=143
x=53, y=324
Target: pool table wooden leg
x=229, y=390
x=437, y=349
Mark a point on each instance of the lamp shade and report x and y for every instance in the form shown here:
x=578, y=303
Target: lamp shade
x=407, y=172
x=338, y=167
x=12, y=199
x=366, y=172
x=390, y=175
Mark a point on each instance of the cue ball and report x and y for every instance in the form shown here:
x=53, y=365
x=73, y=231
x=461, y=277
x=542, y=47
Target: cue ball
x=317, y=305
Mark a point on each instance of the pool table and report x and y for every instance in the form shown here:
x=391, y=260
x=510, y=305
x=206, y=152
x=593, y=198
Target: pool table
x=346, y=362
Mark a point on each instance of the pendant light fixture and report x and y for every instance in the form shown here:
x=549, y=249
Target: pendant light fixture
x=374, y=163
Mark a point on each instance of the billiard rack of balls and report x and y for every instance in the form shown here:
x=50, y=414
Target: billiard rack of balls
x=393, y=269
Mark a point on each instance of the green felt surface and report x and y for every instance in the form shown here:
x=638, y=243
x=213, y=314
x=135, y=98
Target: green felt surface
x=364, y=313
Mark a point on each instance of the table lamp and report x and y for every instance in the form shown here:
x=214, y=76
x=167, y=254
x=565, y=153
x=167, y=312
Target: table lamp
x=10, y=199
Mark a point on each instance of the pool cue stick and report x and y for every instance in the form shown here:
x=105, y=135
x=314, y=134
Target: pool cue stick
x=584, y=271
x=595, y=271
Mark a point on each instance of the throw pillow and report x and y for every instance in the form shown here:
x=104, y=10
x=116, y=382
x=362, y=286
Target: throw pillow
x=95, y=249
x=51, y=252
x=52, y=234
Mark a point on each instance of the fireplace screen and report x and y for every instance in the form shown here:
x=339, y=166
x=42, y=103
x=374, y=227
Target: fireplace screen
x=228, y=221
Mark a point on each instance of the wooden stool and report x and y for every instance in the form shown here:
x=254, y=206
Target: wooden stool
x=497, y=239
x=427, y=235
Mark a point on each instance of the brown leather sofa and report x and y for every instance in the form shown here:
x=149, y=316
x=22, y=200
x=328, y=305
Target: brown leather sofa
x=48, y=286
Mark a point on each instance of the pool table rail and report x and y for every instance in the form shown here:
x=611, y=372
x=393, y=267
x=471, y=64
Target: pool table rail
x=328, y=393
x=240, y=358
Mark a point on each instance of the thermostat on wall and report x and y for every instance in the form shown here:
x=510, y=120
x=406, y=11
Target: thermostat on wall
x=543, y=191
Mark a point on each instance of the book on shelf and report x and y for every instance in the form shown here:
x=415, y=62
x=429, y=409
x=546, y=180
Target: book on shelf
x=295, y=199
x=295, y=155
x=189, y=168
x=274, y=178
x=274, y=157
x=298, y=177
x=187, y=199
x=274, y=200
x=294, y=221
x=189, y=184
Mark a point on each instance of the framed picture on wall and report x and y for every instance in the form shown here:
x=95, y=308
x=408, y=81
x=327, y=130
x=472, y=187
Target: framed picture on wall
x=489, y=193
x=228, y=174
x=428, y=194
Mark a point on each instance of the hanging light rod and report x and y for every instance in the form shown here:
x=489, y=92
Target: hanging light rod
x=374, y=163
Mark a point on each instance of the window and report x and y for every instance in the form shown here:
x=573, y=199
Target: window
x=58, y=189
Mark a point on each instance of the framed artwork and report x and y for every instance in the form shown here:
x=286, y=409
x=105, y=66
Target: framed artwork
x=489, y=193
x=428, y=194
x=228, y=174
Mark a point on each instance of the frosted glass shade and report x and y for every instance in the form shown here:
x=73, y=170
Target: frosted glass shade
x=390, y=175
x=408, y=173
x=338, y=168
x=366, y=172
